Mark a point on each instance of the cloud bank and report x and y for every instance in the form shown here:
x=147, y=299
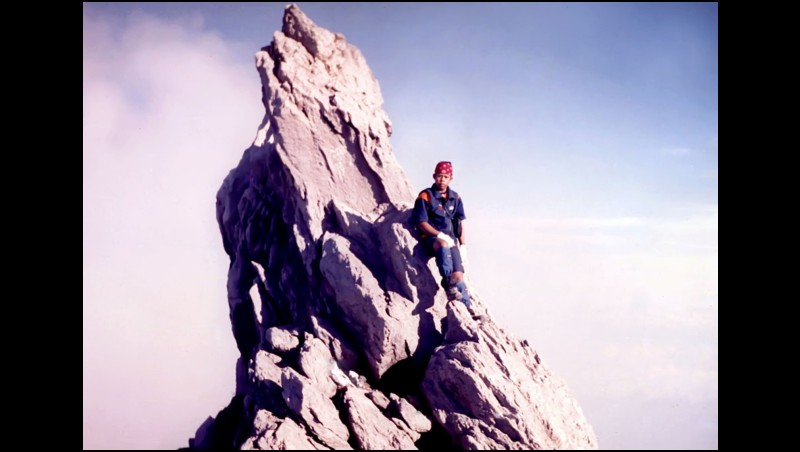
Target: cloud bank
x=167, y=111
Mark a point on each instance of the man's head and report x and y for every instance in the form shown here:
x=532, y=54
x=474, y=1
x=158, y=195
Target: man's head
x=443, y=174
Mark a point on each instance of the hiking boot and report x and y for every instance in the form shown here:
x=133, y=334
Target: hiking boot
x=453, y=293
x=450, y=290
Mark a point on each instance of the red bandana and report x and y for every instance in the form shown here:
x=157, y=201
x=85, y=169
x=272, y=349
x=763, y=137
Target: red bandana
x=444, y=168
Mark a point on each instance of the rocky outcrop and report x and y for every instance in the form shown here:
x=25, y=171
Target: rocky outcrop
x=347, y=341
x=493, y=392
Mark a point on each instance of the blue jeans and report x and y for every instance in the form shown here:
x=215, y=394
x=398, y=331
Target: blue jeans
x=448, y=260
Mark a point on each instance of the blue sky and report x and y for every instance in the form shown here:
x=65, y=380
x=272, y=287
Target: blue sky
x=584, y=139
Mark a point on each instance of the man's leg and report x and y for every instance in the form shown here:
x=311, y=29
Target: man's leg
x=444, y=262
x=457, y=277
x=448, y=260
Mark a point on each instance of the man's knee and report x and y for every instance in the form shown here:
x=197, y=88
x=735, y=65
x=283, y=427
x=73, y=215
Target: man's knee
x=439, y=243
x=458, y=276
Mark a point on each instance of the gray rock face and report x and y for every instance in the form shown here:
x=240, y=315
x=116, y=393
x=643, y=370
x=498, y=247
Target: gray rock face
x=316, y=363
x=315, y=409
x=495, y=393
x=344, y=353
x=279, y=340
x=354, y=344
x=273, y=433
x=373, y=430
x=412, y=417
x=388, y=328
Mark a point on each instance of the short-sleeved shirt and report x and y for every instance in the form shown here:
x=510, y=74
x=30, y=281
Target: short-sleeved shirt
x=439, y=209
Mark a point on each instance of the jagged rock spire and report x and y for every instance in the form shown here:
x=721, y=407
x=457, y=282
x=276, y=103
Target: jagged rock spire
x=346, y=339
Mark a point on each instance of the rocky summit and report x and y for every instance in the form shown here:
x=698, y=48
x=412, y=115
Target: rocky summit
x=347, y=340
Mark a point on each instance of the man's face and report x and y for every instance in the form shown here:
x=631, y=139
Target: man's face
x=442, y=181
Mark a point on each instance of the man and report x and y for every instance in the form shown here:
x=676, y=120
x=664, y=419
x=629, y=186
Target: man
x=439, y=215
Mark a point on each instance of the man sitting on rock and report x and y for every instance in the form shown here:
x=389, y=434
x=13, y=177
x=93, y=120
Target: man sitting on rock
x=439, y=214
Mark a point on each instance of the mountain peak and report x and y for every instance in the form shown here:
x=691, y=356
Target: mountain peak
x=346, y=339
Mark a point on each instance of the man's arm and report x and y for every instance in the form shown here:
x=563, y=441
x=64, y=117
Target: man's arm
x=461, y=216
x=427, y=228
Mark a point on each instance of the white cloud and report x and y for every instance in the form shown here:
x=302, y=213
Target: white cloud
x=695, y=230
x=623, y=306
x=167, y=112
x=585, y=223
x=662, y=371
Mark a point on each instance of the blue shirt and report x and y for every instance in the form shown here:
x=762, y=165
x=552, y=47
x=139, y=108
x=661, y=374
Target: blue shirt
x=438, y=210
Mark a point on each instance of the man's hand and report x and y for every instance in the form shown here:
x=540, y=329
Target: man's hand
x=447, y=239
